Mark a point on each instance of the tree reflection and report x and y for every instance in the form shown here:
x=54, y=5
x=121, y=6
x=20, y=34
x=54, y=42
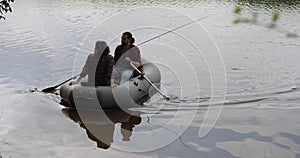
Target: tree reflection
x=278, y=5
x=5, y=7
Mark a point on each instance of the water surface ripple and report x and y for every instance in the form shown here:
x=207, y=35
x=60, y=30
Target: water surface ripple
x=41, y=39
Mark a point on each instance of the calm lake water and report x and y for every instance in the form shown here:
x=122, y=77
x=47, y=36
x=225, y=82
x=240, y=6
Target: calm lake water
x=236, y=86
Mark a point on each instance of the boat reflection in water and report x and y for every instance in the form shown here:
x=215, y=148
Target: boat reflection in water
x=100, y=125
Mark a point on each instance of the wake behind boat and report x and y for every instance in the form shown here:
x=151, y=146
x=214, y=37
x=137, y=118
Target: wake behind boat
x=130, y=94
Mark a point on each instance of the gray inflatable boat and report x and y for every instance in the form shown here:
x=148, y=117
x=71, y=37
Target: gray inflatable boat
x=130, y=94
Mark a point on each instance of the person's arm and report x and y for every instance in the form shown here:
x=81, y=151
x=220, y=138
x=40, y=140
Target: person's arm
x=75, y=81
x=135, y=63
x=110, y=65
x=83, y=73
x=117, y=54
x=135, y=57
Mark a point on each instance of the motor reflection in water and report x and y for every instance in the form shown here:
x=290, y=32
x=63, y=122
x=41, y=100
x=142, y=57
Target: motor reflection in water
x=100, y=125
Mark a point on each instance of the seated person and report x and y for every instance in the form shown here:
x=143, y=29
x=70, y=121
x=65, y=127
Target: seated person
x=125, y=54
x=98, y=66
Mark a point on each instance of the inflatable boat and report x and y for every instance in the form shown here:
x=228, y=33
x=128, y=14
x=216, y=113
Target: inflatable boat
x=130, y=94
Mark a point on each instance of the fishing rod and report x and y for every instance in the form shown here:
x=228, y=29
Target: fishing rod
x=181, y=26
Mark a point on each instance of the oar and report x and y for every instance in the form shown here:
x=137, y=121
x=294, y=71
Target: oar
x=150, y=82
x=52, y=89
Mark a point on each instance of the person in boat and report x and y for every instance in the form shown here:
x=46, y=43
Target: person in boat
x=98, y=66
x=125, y=54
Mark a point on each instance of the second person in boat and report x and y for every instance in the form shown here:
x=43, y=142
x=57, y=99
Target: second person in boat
x=125, y=54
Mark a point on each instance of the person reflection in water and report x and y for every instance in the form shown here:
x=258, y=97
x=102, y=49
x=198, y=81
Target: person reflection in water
x=102, y=131
x=126, y=127
x=102, y=134
x=98, y=66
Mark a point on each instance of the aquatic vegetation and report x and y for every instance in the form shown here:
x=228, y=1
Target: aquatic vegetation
x=240, y=18
x=237, y=10
x=275, y=16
